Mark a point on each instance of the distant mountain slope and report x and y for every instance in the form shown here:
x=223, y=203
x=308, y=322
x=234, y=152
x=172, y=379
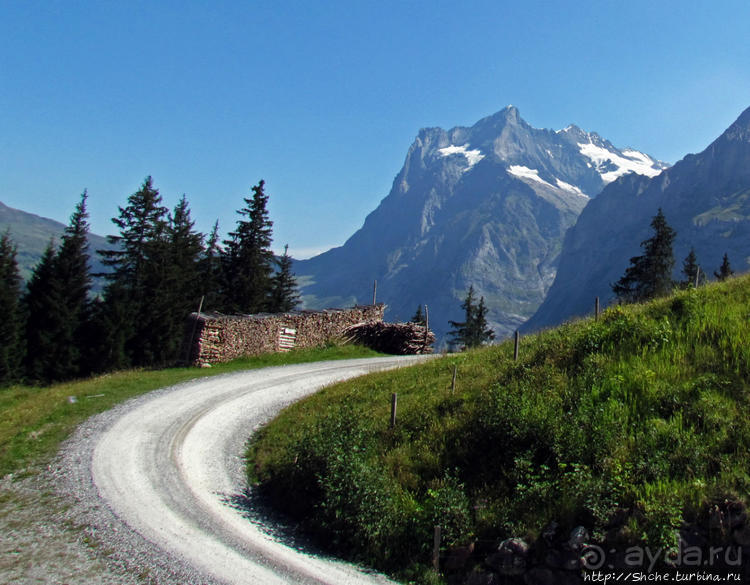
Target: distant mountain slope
x=487, y=205
x=31, y=234
x=705, y=198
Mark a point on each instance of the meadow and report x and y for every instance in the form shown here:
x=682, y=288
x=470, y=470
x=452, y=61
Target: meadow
x=632, y=425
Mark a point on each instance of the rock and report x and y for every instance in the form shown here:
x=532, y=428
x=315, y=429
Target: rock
x=554, y=559
x=457, y=557
x=550, y=532
x=510, y=558
x=482, y=578
x=741, y=536
x=690, y=538
x=540, y=576
x=736, y=515
x=578, y=538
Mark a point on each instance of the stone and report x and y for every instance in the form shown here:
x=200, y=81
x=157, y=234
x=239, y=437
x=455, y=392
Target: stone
x=579, y=536
x=457, y=557
x=549, y=534
x=482, y=578
x=510, y=558
x=741, y=536
x=540, y=576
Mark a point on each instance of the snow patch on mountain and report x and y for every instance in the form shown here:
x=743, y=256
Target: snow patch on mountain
x=571, y=188
x=472, y=156
x=611, y=165
x=526, y=173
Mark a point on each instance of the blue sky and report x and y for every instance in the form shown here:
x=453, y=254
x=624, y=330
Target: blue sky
x=323, y=99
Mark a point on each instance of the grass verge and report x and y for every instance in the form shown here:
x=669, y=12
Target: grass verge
x=35, y=420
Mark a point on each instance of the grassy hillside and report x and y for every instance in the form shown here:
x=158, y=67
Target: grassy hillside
x=35, y=420
x=633, y=426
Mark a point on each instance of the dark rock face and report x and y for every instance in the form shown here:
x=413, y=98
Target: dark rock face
x=705, y=198
x=486, y=206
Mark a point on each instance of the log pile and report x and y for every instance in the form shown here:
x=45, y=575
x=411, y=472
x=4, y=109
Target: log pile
x=393, y=338
x=213, y=338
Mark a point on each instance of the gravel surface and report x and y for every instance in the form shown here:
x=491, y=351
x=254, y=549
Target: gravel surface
x=153, y=491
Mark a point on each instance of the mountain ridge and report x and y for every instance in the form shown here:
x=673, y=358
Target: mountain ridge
x=485, y=205
x=31, y=233
x=704, y=196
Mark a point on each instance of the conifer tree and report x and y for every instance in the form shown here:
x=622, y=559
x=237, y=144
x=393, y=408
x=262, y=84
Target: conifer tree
x=180, y=291
x=57, y=304
x=473, y=331
x=418, y=317
x=10, y=325
x=481, y=333
x=694, y=274
x=132, y=311
x=248, y=257
x=284, y=295
x=650, y=275
x=43, y=319
x=210, y=271
x=74, y=283
x=461, y=330
x=725, y=270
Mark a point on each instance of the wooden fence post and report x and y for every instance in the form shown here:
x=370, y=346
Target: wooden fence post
x=436, y=549
x=394, y=400
x=515, y=345
x=596, y=309
x=453, y=382
x=426, y=325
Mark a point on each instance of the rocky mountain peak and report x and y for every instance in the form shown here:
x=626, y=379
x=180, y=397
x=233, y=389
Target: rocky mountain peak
x=740, y=130
x=485, y=205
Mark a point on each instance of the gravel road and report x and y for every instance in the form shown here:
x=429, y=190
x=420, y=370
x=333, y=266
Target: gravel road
x=158, y=482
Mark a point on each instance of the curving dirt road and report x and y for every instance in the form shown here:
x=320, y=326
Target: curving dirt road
x=169, y=467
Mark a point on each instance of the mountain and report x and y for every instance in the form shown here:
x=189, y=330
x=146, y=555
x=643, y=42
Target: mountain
x=486, y=205
x=705, y=198
x=31, y=234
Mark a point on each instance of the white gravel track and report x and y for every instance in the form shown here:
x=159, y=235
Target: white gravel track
x=167, y=473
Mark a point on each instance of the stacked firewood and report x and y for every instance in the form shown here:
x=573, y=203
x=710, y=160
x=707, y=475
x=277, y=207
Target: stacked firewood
x=393, y=338
x=212, y=337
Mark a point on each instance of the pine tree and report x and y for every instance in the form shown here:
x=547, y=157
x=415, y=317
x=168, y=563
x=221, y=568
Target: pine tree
x=650, y=275
x=44, y=320
x=418, y=317
x=481, y=333
x=461, y=330
x=248, y=257
x=131, y=311
x=180, y=291
x=10, y=326
x=473, y=330
x=74, y=283
x=284, y=295
x=57, y=305
x=142, y=225
x=694, y=274
x=210, y=270
x=725, y=270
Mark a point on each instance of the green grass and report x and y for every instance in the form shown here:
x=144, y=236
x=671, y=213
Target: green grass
x=35, y=420
x=630, y=425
